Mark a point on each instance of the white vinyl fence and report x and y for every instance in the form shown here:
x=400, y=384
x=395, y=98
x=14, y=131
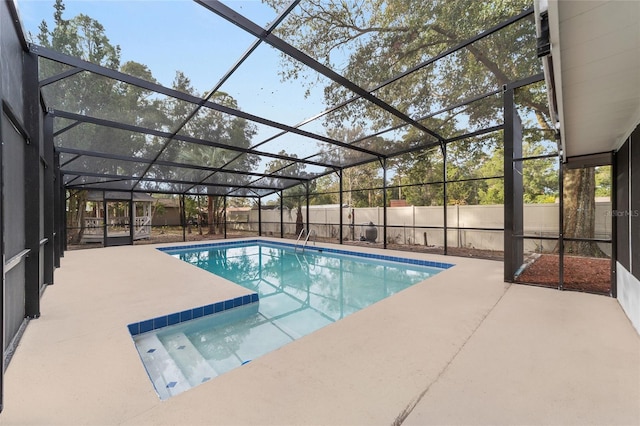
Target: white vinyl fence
x=423, y=225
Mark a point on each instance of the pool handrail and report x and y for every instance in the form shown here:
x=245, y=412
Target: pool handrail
x=306, y=240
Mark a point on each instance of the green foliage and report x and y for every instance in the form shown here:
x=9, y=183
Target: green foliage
x=603, y=181
x=208, y=125
x=293, y=197
x=371, y=42
x=467, y=161
x=326, y=190
x=83, y=93
x=358, y=183
x=190, y=207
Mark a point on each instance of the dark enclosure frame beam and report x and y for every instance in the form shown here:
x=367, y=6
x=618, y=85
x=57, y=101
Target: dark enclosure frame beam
x=83, y=153
x=159, y=133
x=126, y=177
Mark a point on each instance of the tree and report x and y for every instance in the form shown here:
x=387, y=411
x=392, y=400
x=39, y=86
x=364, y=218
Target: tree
x=326, y=190
x=210, y=125
x=579, y=211
x=371, y=42
x=361, y=185
x=359, y=182
x=419, y=171
x=84, y=93
x=603, y=181
x=540, y=176
x=85, y=38
x=379, y=39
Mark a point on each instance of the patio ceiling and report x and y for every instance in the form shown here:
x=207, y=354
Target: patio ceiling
x=165, y=154
x=596, y=63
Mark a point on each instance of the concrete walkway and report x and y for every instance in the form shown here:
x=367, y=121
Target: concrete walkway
x=460, y=348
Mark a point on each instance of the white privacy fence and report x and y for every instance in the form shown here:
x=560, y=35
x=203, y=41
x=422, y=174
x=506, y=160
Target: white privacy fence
x=478, y=226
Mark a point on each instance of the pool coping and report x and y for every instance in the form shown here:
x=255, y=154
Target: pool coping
x=420, y=262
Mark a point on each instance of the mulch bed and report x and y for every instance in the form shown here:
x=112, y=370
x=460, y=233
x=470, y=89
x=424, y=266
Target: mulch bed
x=586, y=274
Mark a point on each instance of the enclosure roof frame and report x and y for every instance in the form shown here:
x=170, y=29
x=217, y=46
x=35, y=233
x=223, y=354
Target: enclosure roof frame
x=262, y=35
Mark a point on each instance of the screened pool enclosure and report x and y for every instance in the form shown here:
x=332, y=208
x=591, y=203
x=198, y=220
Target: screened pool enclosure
x=393, y=126
x=407, y=128
x=429, y=126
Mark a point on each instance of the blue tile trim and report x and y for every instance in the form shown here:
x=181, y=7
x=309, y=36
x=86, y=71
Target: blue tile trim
x=173, y=318
x=201, y=311
x=146, y=326
x=207, y=310
x=428, y=263
x=134, y=328
x=160, y=322
x=186, y=316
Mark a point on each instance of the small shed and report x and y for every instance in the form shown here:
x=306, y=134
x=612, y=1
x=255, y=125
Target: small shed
x=167, y=212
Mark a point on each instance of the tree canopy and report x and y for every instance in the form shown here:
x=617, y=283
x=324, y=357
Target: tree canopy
x=372, y=42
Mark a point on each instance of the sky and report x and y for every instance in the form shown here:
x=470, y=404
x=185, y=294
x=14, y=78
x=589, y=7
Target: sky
x=166, y=35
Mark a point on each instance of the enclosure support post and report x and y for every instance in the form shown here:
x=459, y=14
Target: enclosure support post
x=63, y=207
x=224, y=215
x=281, y=215
x=259, y=217
x=2, y=283
x=183, y=218
x=513, y=188
x=58, y=222
x=33, y=170
x=384, y=202
x=132, y=219
x=198, y=216
x=614, y=224
x=306, y=186
x=49, y=202
x=340, y=200
x=104, y=219
x=561, y=224
x=443, y=148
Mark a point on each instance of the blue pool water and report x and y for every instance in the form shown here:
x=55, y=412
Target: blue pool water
x=298, y=294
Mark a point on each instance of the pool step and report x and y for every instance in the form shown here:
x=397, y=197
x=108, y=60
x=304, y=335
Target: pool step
x=196, y=369
x=165, y=374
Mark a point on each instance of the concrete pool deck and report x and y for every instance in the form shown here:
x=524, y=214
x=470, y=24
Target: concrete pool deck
x=460, y=348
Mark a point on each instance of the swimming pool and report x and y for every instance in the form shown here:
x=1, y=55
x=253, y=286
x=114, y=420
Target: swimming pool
x=298, y=292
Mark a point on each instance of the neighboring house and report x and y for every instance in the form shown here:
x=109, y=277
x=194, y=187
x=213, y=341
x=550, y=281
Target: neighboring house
x=239, y=214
